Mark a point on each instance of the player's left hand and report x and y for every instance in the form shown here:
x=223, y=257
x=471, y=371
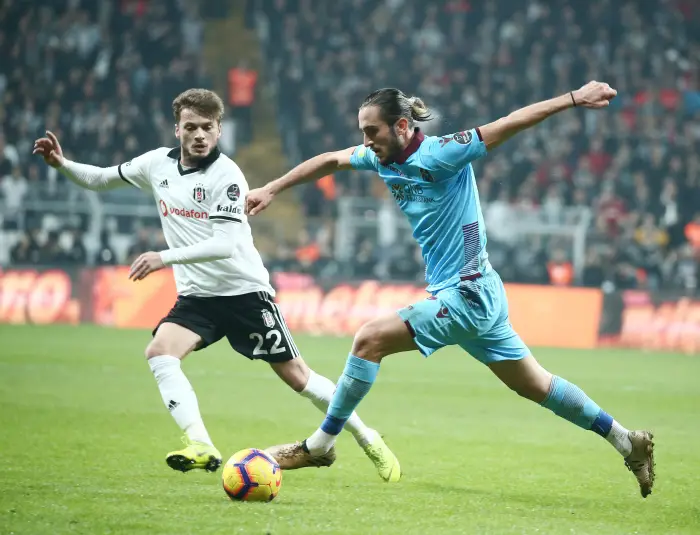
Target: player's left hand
x=145, y=264
x=257, y=200
x=594, y=95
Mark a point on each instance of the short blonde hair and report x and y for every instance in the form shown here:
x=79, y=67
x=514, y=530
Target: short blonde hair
x=203, y=101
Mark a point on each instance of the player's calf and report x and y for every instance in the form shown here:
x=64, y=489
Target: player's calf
x=568, y=401
x=170, y=344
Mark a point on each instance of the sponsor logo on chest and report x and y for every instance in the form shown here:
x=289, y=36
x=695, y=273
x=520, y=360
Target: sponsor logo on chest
x=169, y=210
x=409, y=193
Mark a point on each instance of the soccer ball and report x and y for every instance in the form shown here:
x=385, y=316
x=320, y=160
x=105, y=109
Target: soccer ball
x=252, y=475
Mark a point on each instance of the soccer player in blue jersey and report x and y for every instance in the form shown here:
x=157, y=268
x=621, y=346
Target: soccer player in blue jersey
x=432, y=180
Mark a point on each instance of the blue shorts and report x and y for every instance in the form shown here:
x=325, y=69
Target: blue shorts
x=473, y=316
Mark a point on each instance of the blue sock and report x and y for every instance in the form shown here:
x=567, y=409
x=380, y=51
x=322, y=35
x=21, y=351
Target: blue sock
x=571, y=403
x=353, y=385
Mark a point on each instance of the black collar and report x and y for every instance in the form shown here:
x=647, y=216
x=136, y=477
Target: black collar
x=412, y=147
x=201, y=164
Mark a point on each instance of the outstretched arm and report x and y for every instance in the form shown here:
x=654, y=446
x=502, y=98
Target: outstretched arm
x=312, y=169
x=592, y=95
x=86, y=176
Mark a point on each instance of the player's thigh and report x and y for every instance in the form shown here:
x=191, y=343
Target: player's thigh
x=190, y=325
x=491, y=337
x=174, y=340
x=258, y=331
x=383, y=336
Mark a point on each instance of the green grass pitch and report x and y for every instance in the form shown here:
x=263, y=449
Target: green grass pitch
x=83, y=436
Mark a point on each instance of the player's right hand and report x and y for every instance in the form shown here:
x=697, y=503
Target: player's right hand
x=594, y=95
x=50, y=149
x=257, y=200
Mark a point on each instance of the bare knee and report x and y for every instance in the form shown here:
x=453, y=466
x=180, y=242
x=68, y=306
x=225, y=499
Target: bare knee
x=156, y=348
x=524, y=377
x=294, y=373
x=369, y=342
x=298, y=379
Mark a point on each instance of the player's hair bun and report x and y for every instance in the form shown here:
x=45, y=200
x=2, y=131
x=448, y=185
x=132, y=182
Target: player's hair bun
x=419, y=111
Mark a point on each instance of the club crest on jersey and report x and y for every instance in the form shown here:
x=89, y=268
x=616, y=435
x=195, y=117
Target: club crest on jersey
x=233, y=192
x=425, y=175
x=443, y=312
x=268, y=319
x=199, y=194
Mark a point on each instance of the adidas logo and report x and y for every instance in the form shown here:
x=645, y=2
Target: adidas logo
x=172, y=405
x=163, y=184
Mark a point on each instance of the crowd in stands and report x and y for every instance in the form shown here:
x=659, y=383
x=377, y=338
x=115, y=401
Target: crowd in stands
x=635, y=165
x=102, y=73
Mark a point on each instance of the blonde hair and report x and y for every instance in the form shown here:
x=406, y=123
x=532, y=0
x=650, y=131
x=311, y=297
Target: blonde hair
x=419, y=111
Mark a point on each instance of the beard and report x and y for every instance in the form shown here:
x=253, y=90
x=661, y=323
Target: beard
x=393, y=150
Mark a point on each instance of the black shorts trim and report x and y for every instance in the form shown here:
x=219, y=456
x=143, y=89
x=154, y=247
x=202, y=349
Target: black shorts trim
x=252, y=323
x=277, y=313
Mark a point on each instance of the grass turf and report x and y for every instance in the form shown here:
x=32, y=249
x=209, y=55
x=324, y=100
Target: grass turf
x=84, y=435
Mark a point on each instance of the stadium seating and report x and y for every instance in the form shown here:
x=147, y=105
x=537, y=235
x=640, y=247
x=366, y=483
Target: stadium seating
x=636, y=164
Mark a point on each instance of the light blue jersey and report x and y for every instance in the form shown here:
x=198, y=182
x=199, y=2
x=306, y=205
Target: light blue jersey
x=433, y=183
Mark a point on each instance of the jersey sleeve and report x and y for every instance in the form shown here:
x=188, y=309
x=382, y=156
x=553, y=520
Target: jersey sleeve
x=137, y=171
x=454, y=151
x=364, y=159
x=228, y=201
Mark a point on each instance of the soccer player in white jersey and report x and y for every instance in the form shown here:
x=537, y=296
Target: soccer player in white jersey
x=223, y=287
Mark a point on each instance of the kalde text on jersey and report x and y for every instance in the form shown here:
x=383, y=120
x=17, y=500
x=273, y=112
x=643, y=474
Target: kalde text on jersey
x=230, y=209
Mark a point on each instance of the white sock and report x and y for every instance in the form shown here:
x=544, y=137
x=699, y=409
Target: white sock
x=319, y=390
x=179, y=397
x=320, y=442
x=619, y=438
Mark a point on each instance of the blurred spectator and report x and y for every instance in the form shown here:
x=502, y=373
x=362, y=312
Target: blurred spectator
x=365, y=263
x=692, y=233
x=140, y=246
x=51, y=251
x=76, y=253
x=105, y=253
x=593, y=274
x=307, y=252
x=560, y=269
x=26, y=251
x=14, y=188
x=242, y=82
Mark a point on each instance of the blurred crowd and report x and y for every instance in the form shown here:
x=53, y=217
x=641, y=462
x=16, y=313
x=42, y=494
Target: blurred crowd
x=636, y=165
x=102, y=74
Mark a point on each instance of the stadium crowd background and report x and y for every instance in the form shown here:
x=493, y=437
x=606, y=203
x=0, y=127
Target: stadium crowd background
x=102, y=74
